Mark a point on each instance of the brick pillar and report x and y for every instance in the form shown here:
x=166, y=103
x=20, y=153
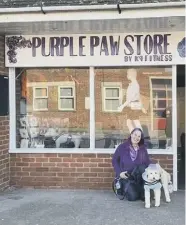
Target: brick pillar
x=4, y=130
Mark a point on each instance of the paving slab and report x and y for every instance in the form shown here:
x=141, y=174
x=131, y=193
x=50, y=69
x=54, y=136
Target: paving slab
x=82, y=207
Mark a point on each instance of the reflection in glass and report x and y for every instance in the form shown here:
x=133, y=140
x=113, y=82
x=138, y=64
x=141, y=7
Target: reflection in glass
x=144, y=100
x=49, y=116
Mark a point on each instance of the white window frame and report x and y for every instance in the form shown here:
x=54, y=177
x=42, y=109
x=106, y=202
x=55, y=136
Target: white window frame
x=35, y=97
x=110, y=85
x=151, y=95
x=72, y=86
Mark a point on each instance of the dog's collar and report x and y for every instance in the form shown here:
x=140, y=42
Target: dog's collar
x=152, y=183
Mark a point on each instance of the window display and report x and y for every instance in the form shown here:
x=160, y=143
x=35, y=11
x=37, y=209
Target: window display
x=52, y=113
x=53, y=107
x=133, y=97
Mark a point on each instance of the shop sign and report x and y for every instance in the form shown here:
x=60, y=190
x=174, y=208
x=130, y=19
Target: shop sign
x=95, y=50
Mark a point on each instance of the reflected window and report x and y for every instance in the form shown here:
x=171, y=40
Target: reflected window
x=111, y=93
x=47, y=113
x=40, y=98
x=67, y=98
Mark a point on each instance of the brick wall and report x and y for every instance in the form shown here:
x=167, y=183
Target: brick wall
x=4, y=131
x=83, y=171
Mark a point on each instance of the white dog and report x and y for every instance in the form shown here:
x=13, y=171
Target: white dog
x=155, y=177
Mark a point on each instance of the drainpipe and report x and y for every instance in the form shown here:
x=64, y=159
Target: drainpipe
x=91, y=7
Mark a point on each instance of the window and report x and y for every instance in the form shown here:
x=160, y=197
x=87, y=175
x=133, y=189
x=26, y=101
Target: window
x=111, y=96
x=40, y=98
x=147, y=105
x=66, y=101
x=50, y=117
x=161, y=101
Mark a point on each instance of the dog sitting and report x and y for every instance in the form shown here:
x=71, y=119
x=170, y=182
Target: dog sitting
x=156, y=177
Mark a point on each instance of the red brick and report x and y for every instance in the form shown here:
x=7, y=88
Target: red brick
x=104, y=156
x=49, y=174
x=41, y=159
x=28, y=159
x=69, y=160
x=22, y=174
x=90, y=174
x=28, y=169
x=96, y=169
x=69, y=170
x=76, y=174
x=79, y=179
x=97, y=160
x=22, y=164
x=63, y=174
x=36, y=174
x=69, y=179
x=83, y=169
x=110, y=169
x=36, y=164
x=55, y=159
x=63, y=165
x=55, y=169
x=15, y=168
x=104, y=174
x=49, y=164
x=96, y=179
x=90, y=164
x=42, y=169
x=83, y=160
x=104, y=165
x=76, y=165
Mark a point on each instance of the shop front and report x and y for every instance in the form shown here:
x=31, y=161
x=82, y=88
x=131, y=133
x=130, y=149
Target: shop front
x=75, y=97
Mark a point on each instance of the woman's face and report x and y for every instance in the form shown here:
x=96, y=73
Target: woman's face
x=136, y=137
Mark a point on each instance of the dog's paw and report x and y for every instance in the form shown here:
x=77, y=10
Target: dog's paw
x=157, y=205
x=147, y=206
x=168, y=200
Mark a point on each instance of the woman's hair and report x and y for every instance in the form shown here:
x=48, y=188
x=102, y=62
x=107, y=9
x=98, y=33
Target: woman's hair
x=142, y=142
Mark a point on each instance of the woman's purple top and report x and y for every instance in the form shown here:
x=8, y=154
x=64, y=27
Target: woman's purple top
x=122, y=160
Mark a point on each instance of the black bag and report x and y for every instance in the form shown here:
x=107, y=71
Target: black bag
x=67, y=144
x=49, y=142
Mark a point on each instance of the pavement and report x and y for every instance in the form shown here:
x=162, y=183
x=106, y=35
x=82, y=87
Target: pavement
x=85, y=207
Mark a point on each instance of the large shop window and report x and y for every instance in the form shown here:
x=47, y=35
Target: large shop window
x=50, y=107
x=53, y=107
x=133, y=97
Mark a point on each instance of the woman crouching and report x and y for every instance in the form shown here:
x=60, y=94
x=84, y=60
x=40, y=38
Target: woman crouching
x=130, y=160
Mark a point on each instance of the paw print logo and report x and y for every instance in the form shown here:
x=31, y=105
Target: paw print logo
x=182, y=48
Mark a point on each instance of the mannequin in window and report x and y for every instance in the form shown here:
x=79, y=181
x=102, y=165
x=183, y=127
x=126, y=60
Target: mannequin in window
x=133, y=101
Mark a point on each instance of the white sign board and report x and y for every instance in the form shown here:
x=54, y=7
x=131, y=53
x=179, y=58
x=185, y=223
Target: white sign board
x=96, y=50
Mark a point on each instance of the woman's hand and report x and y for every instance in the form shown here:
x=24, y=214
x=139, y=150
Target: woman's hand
x=123, y=175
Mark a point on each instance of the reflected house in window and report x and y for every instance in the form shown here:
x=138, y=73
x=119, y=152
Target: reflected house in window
x=51, y=99
x=57, y=99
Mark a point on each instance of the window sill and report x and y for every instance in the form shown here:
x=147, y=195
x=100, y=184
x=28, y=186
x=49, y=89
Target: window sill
x=85, y=150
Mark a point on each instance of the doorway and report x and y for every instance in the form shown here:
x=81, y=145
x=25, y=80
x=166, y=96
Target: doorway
x=181, y=125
